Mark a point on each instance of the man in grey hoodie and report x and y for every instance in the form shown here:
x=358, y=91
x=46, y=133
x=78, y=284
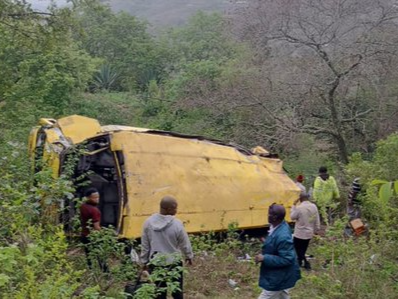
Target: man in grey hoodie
x=165, y=238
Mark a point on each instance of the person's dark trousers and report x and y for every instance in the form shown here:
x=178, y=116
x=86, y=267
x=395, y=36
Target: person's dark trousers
x=301, y=248
x=163, y=284
x=86, y=245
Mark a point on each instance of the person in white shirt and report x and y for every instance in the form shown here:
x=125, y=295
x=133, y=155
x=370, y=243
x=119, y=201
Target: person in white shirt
x=307, y=224
x=299, y=183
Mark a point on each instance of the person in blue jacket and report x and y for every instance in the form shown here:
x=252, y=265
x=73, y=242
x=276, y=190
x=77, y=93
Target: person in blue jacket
x=279, y=270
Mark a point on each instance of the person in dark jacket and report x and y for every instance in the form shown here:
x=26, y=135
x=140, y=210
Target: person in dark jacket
x=279, y=270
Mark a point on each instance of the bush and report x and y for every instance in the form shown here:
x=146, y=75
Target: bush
x=33, y=252
x=351, y=267
x=382, y=166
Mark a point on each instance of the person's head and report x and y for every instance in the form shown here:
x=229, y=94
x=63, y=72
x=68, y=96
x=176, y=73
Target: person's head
x=276, y=214
x=323, y=172
x=168, y=206
x=300, y=178
x=304, y=196
x=92, y=196
x=323, y=169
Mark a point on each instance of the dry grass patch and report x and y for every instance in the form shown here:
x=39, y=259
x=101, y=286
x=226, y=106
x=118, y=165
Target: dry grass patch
x=209, y=277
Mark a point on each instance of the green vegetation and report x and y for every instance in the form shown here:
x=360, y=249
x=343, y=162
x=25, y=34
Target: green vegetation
x=222, y=78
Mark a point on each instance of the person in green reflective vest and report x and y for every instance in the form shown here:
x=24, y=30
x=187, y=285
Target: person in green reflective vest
x=325, y=194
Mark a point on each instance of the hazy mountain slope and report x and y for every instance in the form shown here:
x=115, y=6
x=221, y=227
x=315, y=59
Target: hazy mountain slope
x=160, y=13
x=168, y=12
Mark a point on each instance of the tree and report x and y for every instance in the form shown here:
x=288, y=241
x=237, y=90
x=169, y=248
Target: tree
x=321, y=65
x=121, y=40
x=42, y=66
x=201, y=52
x=204, y=38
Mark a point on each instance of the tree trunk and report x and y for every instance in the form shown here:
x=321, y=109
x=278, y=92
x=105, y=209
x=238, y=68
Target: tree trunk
x=341, y=144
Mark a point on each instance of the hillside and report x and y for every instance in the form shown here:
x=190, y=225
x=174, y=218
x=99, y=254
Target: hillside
x=168, y=13
x=159, y=13
x=314, y=82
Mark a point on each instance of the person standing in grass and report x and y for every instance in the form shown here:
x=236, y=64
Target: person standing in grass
x=354, y=203
x=279, y=269
x=307, y=224
x=165, y=242
x=325, y=194
x=90, y=217
x=299, y=183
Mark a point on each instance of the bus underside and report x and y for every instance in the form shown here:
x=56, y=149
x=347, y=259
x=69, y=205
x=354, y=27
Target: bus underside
x=102, y=169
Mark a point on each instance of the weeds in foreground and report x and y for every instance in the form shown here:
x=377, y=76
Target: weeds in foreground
x=38, y=262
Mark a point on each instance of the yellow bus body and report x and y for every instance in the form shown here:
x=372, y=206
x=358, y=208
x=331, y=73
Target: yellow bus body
x=215, y=184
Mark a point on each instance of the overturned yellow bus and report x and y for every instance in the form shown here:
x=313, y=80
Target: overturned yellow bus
x=133, y=168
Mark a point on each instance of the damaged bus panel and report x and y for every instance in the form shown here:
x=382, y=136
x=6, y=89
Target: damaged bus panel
x=216, y=184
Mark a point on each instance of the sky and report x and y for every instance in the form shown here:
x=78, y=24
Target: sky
x=43, y=4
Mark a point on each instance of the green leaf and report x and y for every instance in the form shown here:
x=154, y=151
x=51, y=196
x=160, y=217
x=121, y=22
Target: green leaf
x=385, y=192
x=69, y=195
x=48, y=201
x=396, y=187
x=378, y=182
x=4, y=279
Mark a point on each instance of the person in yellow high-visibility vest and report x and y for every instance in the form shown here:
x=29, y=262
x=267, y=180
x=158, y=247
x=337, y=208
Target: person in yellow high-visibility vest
x=325, y=194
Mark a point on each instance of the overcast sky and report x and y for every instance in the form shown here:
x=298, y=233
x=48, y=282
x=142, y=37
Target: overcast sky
x=43, y=4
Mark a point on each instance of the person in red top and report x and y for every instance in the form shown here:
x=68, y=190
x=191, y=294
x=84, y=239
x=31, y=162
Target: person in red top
x=90, y=217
